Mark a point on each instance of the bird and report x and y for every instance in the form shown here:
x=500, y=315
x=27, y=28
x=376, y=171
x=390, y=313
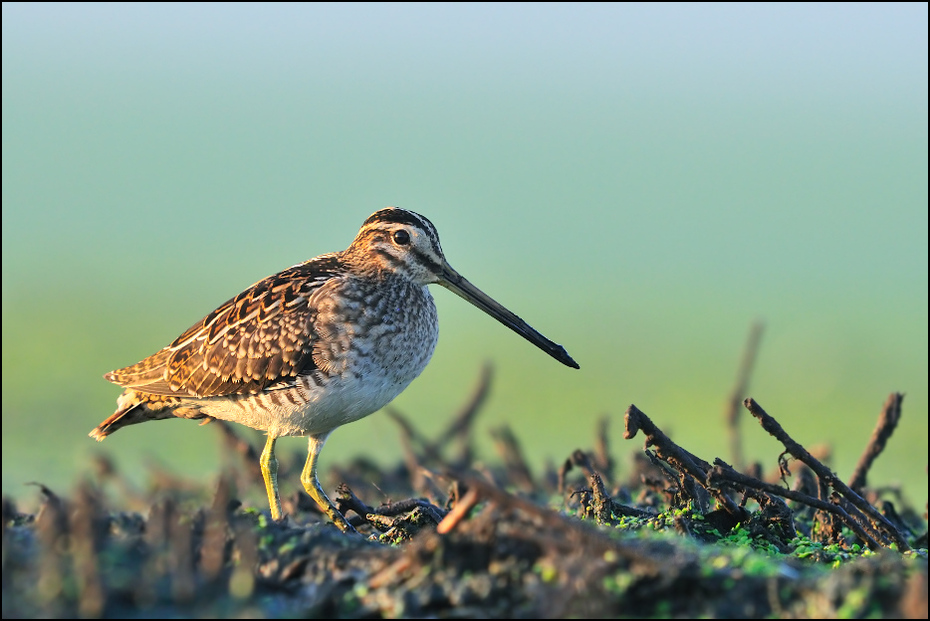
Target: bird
x=320, y=344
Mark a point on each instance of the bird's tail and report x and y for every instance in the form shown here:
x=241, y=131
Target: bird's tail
x=132, y=408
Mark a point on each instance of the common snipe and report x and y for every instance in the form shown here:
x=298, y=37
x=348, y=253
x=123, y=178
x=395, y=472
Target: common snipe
x=319, y=345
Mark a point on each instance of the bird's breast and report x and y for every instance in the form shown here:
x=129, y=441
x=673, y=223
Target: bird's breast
x=371, y=342
x=386, y=330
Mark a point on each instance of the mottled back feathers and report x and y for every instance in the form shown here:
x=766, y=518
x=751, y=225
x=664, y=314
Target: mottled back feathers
x=258, y=338
x=264, y=338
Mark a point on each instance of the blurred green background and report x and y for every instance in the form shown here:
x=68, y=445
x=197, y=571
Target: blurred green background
x=639, y=182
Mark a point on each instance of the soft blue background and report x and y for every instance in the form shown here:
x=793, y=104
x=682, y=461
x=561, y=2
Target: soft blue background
x=639, y=182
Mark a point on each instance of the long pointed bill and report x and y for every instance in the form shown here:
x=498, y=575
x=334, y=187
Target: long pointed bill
x=455, y=282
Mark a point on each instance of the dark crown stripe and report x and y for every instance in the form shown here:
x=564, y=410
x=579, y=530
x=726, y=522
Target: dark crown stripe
x=395, y=215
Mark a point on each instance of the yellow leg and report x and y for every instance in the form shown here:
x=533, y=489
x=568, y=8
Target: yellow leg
x=270, y=473
x=310, y=482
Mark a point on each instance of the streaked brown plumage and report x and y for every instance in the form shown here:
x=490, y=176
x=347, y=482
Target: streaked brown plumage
x=318, y=345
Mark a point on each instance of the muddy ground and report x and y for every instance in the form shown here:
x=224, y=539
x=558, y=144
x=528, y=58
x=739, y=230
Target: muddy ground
x=669, y=535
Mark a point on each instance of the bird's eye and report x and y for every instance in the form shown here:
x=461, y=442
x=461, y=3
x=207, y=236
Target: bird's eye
x=401, y=237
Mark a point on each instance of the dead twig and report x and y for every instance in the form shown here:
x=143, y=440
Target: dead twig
x=677, y=457
x=460, y=427
x=826, y=475
x=724, y=472
x=602, y=458
x=462, y=423
x=518, y=472
x=887, y=421
x=596, y=502
x=733, y=408
x=458, y=512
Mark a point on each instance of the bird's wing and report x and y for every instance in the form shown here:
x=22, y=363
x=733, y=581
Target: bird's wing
x=259, y=338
